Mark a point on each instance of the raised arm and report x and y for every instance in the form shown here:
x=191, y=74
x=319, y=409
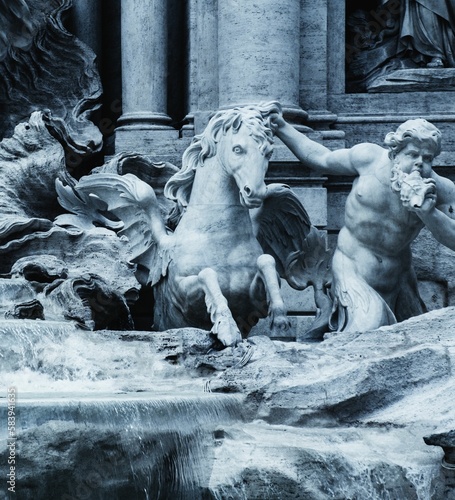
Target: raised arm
x=318, y=157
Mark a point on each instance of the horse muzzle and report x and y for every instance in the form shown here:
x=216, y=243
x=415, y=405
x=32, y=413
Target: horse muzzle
x=251, y=199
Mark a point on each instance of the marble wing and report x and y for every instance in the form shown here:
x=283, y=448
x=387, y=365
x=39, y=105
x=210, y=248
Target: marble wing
x=281, y=226
x=126, y=205
x=284, y=231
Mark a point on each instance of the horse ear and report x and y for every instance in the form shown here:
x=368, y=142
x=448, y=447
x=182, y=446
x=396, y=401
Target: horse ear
x=237, y=123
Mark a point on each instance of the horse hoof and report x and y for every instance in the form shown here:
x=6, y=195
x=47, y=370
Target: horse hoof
x=280, y=324
x=227, y=331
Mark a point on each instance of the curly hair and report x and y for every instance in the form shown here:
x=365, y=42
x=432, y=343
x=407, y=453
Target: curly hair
x=413, y=130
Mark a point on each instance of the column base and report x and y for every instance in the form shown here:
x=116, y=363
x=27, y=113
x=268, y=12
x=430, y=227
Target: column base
x=146, y=133
x=163, y=144
x=145, y=119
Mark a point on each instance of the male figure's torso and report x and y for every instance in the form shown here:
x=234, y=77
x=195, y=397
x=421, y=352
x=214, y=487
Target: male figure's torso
x=378, y=230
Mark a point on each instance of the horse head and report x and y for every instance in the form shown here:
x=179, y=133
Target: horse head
x=242, y=141
x=244, y=148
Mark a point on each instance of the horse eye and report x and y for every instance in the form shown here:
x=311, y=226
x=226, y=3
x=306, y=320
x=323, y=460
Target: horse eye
x=237, y=149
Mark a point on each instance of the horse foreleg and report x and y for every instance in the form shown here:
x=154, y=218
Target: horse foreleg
x=268, y=276
x=224, y=326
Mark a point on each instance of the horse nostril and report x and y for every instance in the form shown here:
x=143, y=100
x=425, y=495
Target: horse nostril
x=247, y=190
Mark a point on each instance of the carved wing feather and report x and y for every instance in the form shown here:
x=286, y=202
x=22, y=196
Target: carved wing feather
x=300, y=250
x=127, y=205
x=281, y=225
x=87, y=210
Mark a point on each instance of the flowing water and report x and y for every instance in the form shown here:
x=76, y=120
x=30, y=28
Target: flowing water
x=98, y=417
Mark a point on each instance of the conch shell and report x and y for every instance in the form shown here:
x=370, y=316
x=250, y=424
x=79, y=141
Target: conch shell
x=413, y=188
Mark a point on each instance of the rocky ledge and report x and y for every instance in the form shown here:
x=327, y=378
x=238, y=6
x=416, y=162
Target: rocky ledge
x=356, y=416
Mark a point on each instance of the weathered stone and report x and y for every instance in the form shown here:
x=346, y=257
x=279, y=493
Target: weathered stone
x=347, y=376
x=446, y=441
x=359, y=406
x=261, y=461
x=57, y=72
x=125, y=445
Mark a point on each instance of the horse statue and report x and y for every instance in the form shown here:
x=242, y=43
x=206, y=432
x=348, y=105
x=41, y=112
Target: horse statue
x=210, y=271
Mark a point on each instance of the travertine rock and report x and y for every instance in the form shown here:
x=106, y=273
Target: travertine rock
x=345, y=418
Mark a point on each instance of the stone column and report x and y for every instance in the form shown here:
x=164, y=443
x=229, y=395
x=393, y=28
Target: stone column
x=86, y=23
x=203, y=64
x=144, y=76
x=315, y=66
x=258, y=53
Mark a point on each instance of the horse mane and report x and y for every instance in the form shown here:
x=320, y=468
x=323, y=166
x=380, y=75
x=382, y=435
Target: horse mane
x=256, y=118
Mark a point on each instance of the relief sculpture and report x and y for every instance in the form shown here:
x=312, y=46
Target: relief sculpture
x=396, y=45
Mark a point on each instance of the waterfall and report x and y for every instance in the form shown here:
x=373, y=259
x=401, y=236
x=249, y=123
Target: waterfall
x=104, y=418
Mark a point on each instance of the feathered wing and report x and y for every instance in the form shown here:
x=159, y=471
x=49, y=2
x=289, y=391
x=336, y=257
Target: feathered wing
x=284, y=230
x=125, y=204
x=281, y=225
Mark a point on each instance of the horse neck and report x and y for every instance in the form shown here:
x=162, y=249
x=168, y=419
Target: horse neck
x=214, y=198
x=212, y=185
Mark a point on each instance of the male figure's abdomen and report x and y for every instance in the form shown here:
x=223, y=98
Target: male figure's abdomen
x=380, y=270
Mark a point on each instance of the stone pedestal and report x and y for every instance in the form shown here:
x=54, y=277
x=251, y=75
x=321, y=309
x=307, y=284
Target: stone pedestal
x=258, y=54
x=419, y=79
x=144, y=77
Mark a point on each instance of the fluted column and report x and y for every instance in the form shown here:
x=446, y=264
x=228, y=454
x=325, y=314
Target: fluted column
x=258, y=53
x=144, y=74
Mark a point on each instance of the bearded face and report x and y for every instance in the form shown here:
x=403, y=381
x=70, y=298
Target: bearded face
x=416, y=156
x=411, y=174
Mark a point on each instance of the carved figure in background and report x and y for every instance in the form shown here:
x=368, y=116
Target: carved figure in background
x=399, y=35
x=211, y=272
x=428, y=31
x=394, y=195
